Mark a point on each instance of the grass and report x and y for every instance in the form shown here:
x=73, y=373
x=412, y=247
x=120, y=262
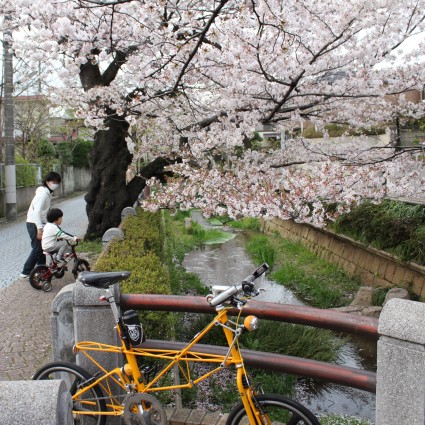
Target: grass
x=261, y=250
x=92, y=246
x=342, y=420
x=184, y=239
x=392, y=226
x=316, y=281
x=250, y=223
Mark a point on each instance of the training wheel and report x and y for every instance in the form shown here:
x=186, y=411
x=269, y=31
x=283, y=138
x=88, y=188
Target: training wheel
x=47, y=286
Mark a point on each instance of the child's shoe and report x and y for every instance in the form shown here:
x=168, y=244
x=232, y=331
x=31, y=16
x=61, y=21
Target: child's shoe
x=59, y=259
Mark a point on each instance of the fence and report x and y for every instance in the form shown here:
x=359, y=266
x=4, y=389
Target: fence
x=73, y=179
x=26, y=175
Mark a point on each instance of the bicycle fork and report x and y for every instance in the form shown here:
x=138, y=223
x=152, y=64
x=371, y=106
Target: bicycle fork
x=254, y=412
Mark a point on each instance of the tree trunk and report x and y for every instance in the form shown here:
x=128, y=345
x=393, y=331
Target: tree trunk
x=107, y=194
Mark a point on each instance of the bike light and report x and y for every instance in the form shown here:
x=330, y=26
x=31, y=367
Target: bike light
x=251, y=323
x=126, y=369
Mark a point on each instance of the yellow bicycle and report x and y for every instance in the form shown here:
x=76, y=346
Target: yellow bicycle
x=127, y=391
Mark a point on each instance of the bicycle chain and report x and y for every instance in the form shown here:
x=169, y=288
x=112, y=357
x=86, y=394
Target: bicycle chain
x=153, y=412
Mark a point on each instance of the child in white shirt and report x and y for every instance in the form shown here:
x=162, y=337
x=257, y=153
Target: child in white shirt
x=54, y=238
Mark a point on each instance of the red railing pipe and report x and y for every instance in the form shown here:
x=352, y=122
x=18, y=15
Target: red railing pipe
x=310, y=316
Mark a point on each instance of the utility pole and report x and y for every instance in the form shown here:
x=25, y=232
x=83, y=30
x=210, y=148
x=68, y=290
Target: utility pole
x=10, y=172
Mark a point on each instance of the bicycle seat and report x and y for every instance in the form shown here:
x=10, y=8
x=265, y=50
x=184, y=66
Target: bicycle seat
x=102, y=280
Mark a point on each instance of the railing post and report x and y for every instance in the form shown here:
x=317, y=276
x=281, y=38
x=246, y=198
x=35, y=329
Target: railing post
x=400, y=387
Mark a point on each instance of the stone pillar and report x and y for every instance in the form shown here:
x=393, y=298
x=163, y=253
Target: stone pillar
x=112, y=233
x=127, y=212
x=63, y=325
x=93, y=321
x=35, y=402
x=400, y=389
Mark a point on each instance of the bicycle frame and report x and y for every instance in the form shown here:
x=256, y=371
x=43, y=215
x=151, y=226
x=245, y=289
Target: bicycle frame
x=131, y=378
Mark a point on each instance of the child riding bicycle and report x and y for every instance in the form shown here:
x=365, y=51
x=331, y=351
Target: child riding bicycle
x=54, y=238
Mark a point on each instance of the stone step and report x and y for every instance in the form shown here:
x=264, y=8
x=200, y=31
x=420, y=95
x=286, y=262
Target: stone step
x=195, y=417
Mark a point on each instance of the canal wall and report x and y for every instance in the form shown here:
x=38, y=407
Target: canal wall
x=373, y=267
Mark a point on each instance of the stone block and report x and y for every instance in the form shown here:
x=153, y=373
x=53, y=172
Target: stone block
x=93, y=321
x=389, y=272
x=400, y=383
x=127, y=212
x=403, y=320
x=351, y=309
x=195, y=417
x=396, y=293
x=223, y=419
x=398, y=277
x=373, y=311
x=112, y=233
x=62, y=322
x=211, y=418
x=383, y=264
x=179, y=417
x=46, y=402
x=363, y=297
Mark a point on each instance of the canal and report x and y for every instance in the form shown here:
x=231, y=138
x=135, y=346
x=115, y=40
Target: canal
x=228, y=263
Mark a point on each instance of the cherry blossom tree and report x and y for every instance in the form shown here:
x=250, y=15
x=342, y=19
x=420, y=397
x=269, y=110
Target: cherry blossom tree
x=193, y=79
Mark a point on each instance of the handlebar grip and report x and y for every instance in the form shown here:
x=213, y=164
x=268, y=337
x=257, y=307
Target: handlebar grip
x=232, y=290
x=223, y=296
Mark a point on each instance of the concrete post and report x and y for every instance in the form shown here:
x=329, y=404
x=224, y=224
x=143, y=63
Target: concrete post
x=93, y=321
x=400, y=389
x=35, y=402
x=63, y=325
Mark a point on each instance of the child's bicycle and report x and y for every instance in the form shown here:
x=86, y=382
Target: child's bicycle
x=126, y=391
x=41, y=276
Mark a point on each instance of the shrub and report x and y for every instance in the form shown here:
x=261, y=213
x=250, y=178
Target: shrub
x=81, y=153
x=63, y=152
x=141, y=253
x=26, y=174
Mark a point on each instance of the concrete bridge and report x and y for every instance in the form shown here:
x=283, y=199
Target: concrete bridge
x=400, y=379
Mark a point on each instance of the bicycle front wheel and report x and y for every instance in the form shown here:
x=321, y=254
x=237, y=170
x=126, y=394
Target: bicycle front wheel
x=275, y=409
x=75, y=379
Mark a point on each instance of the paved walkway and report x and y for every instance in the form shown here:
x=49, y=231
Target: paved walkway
x=25, y=336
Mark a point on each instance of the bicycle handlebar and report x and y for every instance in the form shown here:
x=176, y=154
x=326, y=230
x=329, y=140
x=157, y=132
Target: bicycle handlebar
x=246, y=286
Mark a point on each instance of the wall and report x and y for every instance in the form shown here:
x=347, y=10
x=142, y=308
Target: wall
x=374, y=267
x=73, y=179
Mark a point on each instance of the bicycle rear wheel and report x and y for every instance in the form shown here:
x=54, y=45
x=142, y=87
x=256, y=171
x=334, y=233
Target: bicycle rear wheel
x=75, y=379
x=40, y=277
x=276, y=410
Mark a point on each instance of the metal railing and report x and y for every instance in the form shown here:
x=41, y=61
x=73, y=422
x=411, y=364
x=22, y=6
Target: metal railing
x=327, y=319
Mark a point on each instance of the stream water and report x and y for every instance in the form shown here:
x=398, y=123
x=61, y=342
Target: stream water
x=228, y=263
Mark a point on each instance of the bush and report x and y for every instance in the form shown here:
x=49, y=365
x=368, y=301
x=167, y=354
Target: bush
x=26, y=174
x=141, y=253
x=81, y=153
x=64, y=153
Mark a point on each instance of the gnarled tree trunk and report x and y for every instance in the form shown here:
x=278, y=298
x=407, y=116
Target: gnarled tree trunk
x=107, y=194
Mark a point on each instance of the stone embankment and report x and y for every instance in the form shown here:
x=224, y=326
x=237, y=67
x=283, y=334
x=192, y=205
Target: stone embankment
x=374, y=267
x=363, y=305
